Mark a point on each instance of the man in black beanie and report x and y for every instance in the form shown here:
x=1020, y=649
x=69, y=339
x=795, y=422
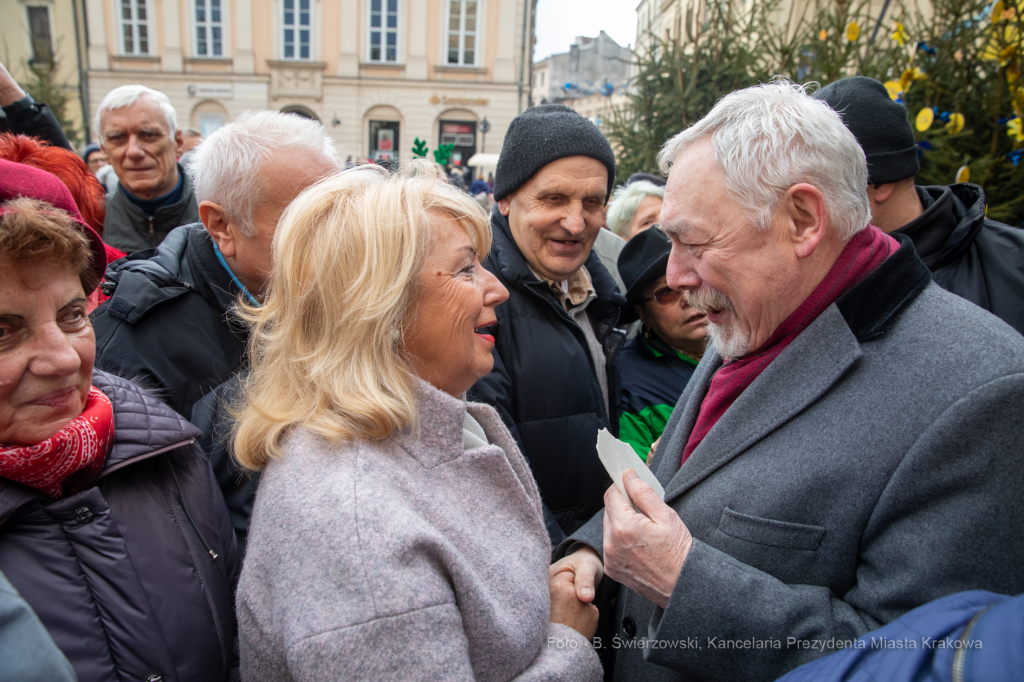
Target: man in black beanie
x=979, y=259
x=554, y=380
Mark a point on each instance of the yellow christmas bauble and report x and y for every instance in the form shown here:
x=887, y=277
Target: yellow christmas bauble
x=956, y=123
x=823, y=35
x=964, y=174
x=894, y=88
x=852, y=31
x=925, y=117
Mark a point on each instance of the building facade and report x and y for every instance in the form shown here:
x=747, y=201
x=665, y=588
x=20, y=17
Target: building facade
x=377, y=73
x=43, y=33
x=599, y=108
x=591, y=66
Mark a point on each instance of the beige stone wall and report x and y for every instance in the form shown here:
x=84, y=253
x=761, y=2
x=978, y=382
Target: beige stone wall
x=16, y=45
x=597, y=108
x=337, y=85
x=541, y=81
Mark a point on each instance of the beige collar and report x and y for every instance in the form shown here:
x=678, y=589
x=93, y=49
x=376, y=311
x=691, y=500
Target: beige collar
x=573, y=291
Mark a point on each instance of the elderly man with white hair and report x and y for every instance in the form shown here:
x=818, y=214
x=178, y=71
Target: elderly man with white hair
x=170, y=324
x=139, y=133
x=851, y=447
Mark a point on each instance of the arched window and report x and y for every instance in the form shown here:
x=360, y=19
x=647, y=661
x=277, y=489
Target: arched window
x=300, y=110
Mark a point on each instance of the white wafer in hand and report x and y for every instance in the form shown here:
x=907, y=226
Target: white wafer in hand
x=617, y=456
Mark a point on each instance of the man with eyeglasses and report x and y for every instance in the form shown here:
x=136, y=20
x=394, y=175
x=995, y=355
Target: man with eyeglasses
x=657, y=363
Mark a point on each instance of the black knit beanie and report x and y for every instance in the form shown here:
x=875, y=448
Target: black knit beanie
x=657, y=180
x=879, y=124
x=543, y=134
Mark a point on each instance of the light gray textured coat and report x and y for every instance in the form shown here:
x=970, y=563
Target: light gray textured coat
x=875, y=465
x=401, y=560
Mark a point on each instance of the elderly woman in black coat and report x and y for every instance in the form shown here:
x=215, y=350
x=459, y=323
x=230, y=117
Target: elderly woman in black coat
x=112, y=527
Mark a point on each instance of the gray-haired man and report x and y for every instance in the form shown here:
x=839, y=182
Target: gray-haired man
x=139, y=133
x=169, y=324
x=848, y=450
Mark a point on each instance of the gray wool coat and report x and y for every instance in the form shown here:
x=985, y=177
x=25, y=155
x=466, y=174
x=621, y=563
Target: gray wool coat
x=404, y=559
x=875, y=465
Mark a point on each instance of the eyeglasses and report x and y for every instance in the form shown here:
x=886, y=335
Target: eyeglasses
x=665, y=296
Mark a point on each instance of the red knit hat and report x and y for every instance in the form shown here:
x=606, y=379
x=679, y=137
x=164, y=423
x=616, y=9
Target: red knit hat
x=19, y=180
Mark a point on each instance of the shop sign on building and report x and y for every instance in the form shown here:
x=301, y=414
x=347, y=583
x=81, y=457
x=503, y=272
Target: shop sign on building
x=210, y=90
x=460, y=101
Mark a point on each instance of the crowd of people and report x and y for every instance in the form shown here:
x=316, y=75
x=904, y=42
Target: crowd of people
x=269, y=415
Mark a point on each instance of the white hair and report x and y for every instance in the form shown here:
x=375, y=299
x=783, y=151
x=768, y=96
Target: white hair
x=127, y=95
x=227, y=164
x=625, y=201
x=770, y=137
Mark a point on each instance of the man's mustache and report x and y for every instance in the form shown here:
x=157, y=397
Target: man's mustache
x=708, y=298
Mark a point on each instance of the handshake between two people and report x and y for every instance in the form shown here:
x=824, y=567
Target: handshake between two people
x=644, y=550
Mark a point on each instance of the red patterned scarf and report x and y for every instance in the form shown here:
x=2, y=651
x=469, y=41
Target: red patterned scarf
x=70, y=460
x=865, y=252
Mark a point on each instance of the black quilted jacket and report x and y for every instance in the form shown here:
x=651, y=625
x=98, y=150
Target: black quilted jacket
x=169, y=325
x=134, y=578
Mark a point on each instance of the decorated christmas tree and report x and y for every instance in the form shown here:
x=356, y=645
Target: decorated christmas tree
x=959, y=74
x=678, y=81
x=957, y=70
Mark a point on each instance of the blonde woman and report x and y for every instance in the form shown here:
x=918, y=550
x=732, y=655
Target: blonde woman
x=397, y=531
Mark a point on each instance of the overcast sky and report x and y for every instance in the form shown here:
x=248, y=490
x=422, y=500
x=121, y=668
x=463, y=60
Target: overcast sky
x=560, y=21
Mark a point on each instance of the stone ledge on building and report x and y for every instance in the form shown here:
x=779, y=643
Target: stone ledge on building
x=296, y=79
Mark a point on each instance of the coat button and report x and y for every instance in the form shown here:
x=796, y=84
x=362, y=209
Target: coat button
x=629, y=627
x=154, y=678
x=83, y=515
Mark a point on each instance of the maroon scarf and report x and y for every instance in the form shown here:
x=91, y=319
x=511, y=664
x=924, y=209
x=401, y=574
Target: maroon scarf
x=70, y=460
x=865, y=252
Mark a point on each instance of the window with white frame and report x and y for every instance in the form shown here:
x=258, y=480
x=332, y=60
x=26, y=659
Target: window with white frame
x=384, y=31
x=209, y=28
x=134, y=27
x=463, y=23
x=296, y=31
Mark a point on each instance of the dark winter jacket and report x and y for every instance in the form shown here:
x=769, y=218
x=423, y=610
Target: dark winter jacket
x=979, y=259
x=168, y=324
x=965, y=637
x=127, y=227
x=35, y=119
x=653, y=377
x=544, y=383
x=26, y=648
x=212, y=416
x=133, y=577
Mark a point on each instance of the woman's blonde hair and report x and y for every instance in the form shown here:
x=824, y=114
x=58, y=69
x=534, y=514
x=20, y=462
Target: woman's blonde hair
x=327, y=344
